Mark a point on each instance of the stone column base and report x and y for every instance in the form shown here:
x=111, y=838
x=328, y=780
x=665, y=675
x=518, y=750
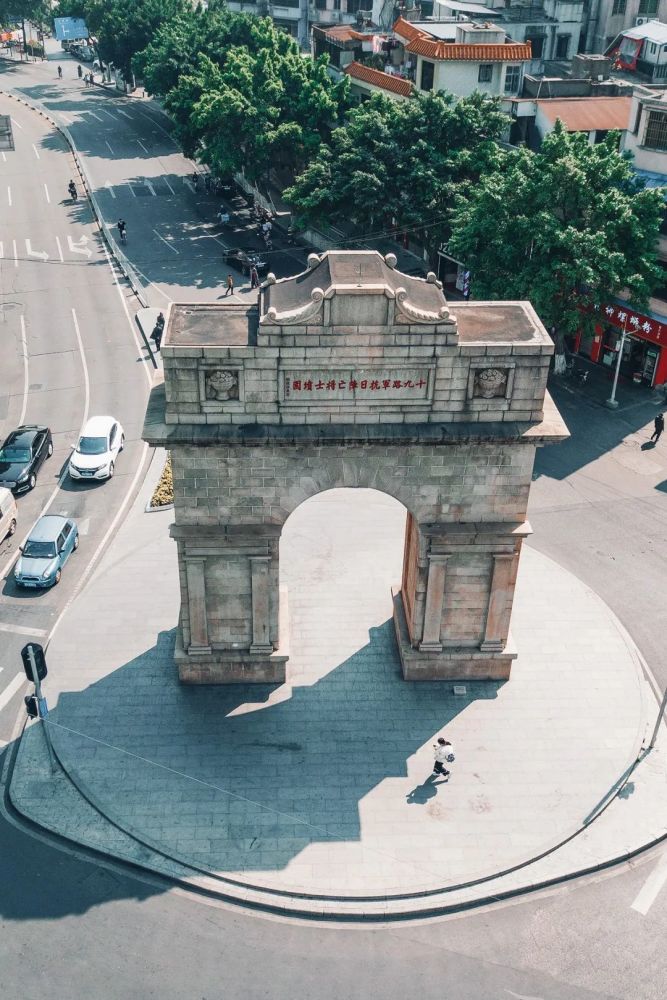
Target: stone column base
x=448, y=664
x=230, y=666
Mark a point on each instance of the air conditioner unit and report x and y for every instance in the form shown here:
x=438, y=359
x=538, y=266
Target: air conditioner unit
x=641, y=20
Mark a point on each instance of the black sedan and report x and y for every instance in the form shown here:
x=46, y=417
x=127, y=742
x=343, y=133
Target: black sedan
x=22, y=456
x=244, y=262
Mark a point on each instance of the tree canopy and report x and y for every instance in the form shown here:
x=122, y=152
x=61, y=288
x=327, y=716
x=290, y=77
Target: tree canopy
x=565, y=227
x=401, y=162
x=256, y=104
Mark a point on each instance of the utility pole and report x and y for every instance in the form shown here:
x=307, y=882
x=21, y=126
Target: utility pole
x=612, y=402
x=29, y=651
x=661, y=712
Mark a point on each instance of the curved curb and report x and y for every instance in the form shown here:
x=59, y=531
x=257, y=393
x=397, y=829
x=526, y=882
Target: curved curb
x=121, y=260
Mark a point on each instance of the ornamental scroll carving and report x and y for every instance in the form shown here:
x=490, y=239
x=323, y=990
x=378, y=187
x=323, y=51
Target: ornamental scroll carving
x=419, y=315
x=221, y=384
x=295, y=317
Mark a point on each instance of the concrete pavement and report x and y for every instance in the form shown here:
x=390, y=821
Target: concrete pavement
x=315, y=797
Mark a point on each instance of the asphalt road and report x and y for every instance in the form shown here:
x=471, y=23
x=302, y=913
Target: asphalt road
x=72, y=348
x=74, y=927
x=138, y=173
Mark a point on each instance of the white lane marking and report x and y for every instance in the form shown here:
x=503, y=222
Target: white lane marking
x=150, y=187
x=188, y=183
x=648, y=893
x=14, y=122
x=46, y=192
x=22, y=630
x=9, y=195
x=125, y=114
x=521, y=996
x=35, y=149
x=26, y=381
x=80, y=246
x=165, y=242
x=61, y=478
x=86, y=377
x=4, y=158
x=94, y=115
x=142, y=145
x=131, y=189
x=104, y=112
x=42, y=254
x=83, y=526
x=108, y=185
x=133, y=326
x=60, y=251
x=12, y=688
x=110, y=149
x=16, y=254
x=168, y=185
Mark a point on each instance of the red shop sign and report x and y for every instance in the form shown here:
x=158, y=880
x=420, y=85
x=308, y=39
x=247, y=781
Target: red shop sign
x=634, y=322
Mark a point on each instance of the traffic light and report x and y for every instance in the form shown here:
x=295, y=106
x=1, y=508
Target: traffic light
x=32, y=706
x=40, y=660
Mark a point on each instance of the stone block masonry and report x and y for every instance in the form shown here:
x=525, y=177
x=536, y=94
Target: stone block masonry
x=352, y=375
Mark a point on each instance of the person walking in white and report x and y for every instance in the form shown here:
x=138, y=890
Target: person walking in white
x=444, y=754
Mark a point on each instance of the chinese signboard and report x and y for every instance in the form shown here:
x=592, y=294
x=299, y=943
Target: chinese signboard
x=407, y=385
x=634, y=322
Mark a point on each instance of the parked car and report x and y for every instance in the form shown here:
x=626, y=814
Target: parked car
x=22, y=455
x=95, y=454
x=244, y=262
x=47, y=549
x=8, y=513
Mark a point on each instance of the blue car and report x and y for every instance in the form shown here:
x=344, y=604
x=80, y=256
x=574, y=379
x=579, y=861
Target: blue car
x=49, y=546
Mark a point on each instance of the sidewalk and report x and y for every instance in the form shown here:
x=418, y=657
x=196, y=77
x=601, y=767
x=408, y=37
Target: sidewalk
x=314, y=797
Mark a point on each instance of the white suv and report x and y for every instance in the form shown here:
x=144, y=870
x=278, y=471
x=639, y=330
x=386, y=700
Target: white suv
x=94, y=457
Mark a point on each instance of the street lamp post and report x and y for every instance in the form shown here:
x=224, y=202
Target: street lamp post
x=612, y=402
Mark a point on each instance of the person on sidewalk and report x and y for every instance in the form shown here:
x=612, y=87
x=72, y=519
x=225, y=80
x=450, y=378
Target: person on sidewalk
x=254, y=278
x=444, y=754
x=156, y=335
x=659, y=424
x=79, y=71
x=60, y=72
x=230, y=285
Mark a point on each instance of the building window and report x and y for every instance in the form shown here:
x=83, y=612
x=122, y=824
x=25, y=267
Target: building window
x=619, y=7
x=652, y=48
x=656, y=131
x=321, y=4
x=512, y=79
x=485, y=73
x=336, y=5
x=562, y=46
x=648, y=6
x=428, y=70
x=536, y=45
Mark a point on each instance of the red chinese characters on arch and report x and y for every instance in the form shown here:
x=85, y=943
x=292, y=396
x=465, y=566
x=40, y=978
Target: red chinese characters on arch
x=308, y=386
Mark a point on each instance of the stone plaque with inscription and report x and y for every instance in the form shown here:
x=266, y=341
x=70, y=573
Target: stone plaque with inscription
x=347, y=385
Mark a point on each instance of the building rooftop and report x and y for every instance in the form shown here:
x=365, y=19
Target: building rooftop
x=466, y=52
x=655, y=31
x=339, y=34
x=394, y=84
x=586, y=114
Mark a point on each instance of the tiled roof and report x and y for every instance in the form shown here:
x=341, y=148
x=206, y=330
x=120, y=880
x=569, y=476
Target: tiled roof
x=584, y=114
x=341, y=33
x=407, y=30
x=464, y=52
x=379, y=79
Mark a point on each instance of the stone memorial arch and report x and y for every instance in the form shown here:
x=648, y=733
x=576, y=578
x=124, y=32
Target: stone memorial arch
x=351, y=374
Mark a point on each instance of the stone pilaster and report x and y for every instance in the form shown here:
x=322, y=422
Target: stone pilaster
x=261, y=615
x=500, y=603
x=199, y=642
x=435, y=593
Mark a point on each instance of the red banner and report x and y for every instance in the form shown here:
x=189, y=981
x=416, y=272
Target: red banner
x=634, y=322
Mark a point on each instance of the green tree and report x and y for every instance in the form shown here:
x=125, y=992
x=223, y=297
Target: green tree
x=566, y=228
x=401, y=163
x=257, y=105
x=122, y=27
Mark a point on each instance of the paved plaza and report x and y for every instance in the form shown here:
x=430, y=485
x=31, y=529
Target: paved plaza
x=321, y=786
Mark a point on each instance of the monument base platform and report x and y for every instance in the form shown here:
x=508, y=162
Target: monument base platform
x=448, y=664
x=230, y=666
